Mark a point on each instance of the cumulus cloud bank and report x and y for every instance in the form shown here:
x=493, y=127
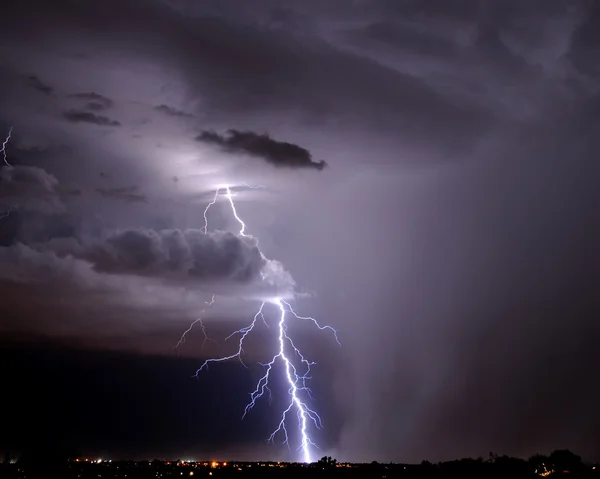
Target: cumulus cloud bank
x=216, y=255
x=189, y=255
x=219, y=260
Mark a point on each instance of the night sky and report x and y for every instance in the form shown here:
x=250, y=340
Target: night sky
x=429, y=187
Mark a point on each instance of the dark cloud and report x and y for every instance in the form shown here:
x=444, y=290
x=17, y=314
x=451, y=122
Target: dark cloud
x=277, y=153
x=221, y=260
x=37, y=84
x=76, y=116
x=189, y=253
x=94, y=99
x=278, y=73
x=127, y=193
x=29, y=188
x=128, y=260
x=169, y=110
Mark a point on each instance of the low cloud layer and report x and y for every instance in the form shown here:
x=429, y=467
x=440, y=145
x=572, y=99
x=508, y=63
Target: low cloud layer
x=220, y=260
x=277, y=153
x=190, y=253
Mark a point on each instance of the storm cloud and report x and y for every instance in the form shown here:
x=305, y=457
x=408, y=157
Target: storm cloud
x=29, y=188
x=277, y=153
x=78, y=116
x=452, y=242
x=218, y=262
x=218, y=255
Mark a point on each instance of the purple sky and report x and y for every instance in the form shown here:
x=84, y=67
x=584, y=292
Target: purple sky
x=451, y=238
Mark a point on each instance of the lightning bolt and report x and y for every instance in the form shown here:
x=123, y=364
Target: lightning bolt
x=3, y=149
x=198, y=321
x=229, y=196
x=296, y=367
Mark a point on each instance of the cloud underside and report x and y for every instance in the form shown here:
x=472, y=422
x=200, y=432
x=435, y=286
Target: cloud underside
x=277, y=153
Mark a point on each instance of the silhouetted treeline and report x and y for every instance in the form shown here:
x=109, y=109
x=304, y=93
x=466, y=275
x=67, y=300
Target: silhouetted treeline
x=63, y=464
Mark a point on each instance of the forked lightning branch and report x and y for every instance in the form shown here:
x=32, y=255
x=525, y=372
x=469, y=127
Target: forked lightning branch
x=287, y=357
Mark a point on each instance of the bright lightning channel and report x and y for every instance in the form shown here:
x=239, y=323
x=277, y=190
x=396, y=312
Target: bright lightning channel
x=6, y=214
x=229, y=196
x=198, y=321
x=3, y=149
x=287, y=351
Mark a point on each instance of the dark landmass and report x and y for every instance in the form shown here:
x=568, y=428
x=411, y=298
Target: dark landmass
x=65, y=465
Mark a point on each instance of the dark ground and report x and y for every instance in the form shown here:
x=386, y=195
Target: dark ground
x=61, y=464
